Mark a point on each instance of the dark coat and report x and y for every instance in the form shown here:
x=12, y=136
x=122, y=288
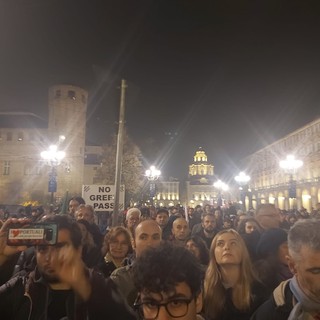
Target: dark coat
x=27, y=297
x=278, y=308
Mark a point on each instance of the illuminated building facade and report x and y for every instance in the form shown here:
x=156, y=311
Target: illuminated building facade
x=23, y=136
x=199, y=187
x=167, y=193
x=272, y=184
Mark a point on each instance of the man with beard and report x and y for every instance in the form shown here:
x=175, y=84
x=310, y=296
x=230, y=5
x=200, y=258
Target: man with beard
x=60, y=287
x=208, y=228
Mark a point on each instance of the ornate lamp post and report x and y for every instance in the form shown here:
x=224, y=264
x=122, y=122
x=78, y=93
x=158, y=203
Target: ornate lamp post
x=53, y=158
x=152, y=175
x=221, y=186
x=290, y=165
x=242, y=179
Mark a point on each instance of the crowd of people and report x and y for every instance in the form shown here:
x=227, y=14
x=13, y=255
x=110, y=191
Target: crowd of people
x=165, y=263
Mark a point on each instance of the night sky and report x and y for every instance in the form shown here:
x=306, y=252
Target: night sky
x=229, y=76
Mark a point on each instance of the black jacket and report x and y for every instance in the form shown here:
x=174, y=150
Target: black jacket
x=278, y=307
x=28, y=297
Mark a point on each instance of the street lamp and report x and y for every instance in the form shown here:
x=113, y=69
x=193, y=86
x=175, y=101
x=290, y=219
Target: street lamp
x=242, y=179
x=291, y=165
x=53, y=158
x=221, y=186
x=152, y=175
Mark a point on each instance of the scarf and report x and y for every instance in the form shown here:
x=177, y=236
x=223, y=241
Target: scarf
x=304, y=305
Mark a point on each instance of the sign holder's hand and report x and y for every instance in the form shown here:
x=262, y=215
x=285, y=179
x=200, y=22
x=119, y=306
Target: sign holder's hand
x=7, y=251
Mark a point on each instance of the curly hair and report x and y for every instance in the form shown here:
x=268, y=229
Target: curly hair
x=161, y=269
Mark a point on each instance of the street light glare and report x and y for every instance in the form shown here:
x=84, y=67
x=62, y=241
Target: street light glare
x=242, y=178
x=221, y=185
x=153, y=173
x=53, y=154
x=291, y=163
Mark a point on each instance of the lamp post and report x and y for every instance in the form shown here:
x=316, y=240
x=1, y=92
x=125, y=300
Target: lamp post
x=242, y=179
x=53, y=158
x=152, y=175
x=290, y=165
x=221, y=186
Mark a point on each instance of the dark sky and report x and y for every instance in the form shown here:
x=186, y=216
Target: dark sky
x=230, y=76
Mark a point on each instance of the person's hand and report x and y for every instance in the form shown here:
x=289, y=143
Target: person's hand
x=70, y=269
x=5, y=250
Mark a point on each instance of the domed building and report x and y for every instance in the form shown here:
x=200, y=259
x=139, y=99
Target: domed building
x=199, y=187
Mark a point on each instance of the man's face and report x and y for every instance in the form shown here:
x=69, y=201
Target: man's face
x=268, y=217
x=180, y=303
x=180, y=229
x=162, y=219
x=48, y=256
x=306, y=267
x=209, y=224
x=133, y=219
x=73, y=206
x=190, y=212
x=85, y=214
x=147, y=234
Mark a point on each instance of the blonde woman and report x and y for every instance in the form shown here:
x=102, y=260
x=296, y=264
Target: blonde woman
x=231, y=290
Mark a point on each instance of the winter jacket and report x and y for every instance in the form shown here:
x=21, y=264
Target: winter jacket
x=27, y=297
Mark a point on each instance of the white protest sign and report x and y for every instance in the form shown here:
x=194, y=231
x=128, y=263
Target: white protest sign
x=101, y=197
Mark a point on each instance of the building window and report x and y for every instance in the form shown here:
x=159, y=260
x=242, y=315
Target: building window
x=72, y=95
x=6, y=168
x=20, y=136
x=32, y=170
x=58, y=93
x=9, y=136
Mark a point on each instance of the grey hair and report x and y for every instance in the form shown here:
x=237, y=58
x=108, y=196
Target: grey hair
x=304, y=233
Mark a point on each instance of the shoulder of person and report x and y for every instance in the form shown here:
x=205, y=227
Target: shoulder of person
x=121, y=272
x=277, y=307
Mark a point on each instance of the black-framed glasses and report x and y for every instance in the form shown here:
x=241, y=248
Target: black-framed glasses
x=176, y=308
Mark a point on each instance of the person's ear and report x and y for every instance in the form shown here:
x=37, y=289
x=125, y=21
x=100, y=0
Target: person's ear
x=133, y=244
x=199, y=302
x=291, y=264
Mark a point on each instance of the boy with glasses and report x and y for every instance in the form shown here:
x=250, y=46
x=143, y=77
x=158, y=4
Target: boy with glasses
x=168, y=280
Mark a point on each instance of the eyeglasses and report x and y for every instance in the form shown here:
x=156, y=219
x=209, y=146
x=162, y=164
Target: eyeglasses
x=176, y=308
x=117, y=243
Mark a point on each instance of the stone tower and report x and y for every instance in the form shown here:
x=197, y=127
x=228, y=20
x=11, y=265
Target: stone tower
x=67, y=118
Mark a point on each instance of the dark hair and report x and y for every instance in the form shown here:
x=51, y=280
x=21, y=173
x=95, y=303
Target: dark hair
x=161, y=269
x=202, y=246
x=80, y=200
x=242, y=225
x=163, y=210
x=145, y=212
x=67, y=223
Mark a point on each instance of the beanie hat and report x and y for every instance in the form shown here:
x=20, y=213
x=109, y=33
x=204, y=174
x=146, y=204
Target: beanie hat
x=270, y=242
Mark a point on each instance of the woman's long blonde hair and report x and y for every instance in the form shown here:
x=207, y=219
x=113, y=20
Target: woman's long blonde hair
x=215, y=292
